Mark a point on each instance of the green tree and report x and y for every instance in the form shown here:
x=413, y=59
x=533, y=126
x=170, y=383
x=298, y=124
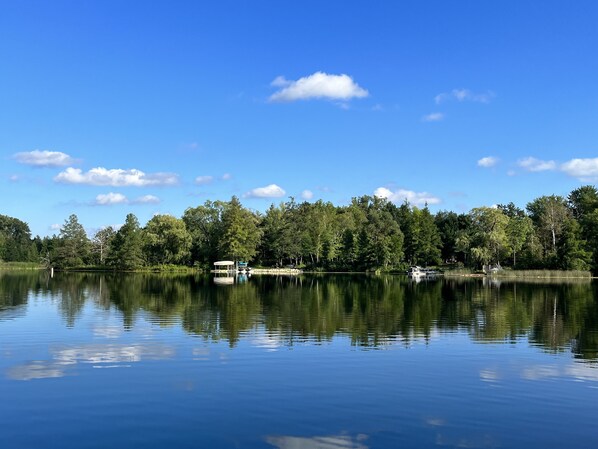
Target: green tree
x=549, y=214
x=101, y=243
x=518, y=230
x=318, y=221
x=166, y=240
x=571, y=252
x=127, y=245
x=274, y=223
x=204, y=224
x=15, y=240
x=426, y=238
x=240, y=232
x=583, y=203
x=488, y=239
x=380, y=240
x=74, y=248
x=447, y=224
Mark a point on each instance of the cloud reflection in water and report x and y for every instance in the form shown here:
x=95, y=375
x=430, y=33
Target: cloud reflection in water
x=318, y=442
x=64, y=359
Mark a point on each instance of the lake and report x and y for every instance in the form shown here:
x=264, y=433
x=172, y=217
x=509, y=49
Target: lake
x=314, y=362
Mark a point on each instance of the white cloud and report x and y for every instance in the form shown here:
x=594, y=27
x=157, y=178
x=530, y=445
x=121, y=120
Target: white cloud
x=270, y=191
x=307, y=195
x=106, y=199
x=44, y=158
x=535, y=165
x=317, y=85
x=55, y=227
x=147, y=199
x=585, y=169
x=226, y=176
x=487, y=162
x=280, y=81
x=202, y=180
x=461, y=95
x=117, y=177
x=415, y=198
x=433, y=117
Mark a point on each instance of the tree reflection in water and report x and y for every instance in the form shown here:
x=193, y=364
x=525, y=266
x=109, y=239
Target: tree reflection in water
x=372, y=311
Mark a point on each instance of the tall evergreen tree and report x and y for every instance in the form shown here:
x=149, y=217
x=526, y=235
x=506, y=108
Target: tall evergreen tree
x=74, y=247
x=127, y=246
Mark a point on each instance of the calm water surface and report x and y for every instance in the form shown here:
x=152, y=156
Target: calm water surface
x=315, y=362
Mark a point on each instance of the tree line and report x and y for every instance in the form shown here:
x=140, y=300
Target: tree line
x=371, y=233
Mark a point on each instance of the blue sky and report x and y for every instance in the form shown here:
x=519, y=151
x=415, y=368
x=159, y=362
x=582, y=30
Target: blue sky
x=153, y=107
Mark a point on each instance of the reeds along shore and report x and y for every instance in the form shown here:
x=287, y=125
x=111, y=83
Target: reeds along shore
x=524, y=274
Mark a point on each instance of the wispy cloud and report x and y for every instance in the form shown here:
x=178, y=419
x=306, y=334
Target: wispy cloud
x=226, y=176
x=146, y=199
x=44, y=158
x=307, y=195
x=117, y=177
x=462, y=95
x=317, y=85
x=110, y=199
x=270, y=191
x=203, y=180
x=433, y=117
x=398, y=196
x=536, y=165
x=488, y=161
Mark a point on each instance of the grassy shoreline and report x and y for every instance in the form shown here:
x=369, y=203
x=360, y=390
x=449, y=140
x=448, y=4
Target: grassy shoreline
x=504, y=274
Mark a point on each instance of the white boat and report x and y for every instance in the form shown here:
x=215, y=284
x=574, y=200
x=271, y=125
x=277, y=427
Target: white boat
x=419, y=272
x=416, y=272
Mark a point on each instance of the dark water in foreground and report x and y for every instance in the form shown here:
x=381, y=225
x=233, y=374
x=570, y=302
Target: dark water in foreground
x=316, y=362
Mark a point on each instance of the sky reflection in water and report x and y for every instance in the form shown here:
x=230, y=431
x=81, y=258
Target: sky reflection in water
x=327, y=362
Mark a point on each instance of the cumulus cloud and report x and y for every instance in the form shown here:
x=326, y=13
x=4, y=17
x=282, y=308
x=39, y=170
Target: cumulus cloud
x=317, y=85
x=44, y=158
x=270, y=191
x=415, y=198
x=584, y=169
x=535, y=165
x=433, y=117
x=461, y=95
x=117, y=177
x=109, y=199
x=487, y=162
x=202, y=180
